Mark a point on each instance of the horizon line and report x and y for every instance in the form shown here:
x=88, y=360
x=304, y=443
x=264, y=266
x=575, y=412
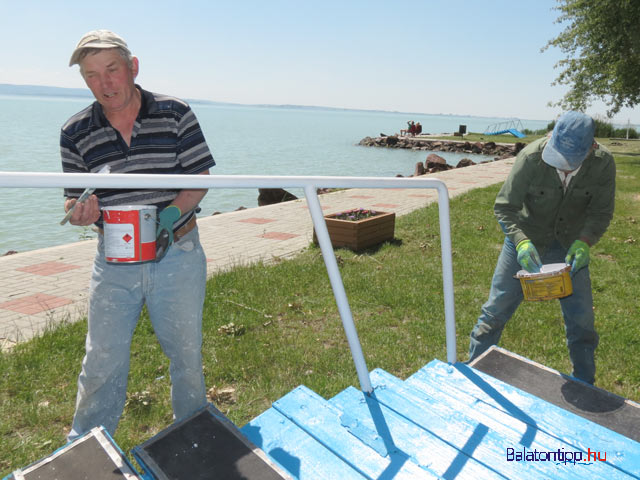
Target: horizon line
x=86, y=93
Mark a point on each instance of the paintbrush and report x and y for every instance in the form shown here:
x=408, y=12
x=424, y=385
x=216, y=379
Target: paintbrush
x=83, y=197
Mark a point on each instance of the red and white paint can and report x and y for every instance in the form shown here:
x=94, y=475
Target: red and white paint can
x=129, y=233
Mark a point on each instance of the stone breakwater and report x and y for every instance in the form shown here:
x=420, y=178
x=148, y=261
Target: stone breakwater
x=498, y=150
x=435, y=163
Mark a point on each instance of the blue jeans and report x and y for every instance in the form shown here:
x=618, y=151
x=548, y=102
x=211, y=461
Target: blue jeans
x=505, y=297
x=173, y=290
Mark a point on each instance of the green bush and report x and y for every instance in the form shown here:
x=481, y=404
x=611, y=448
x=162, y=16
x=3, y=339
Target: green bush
x=539, y=132
x=604, y=129
x=622, y=133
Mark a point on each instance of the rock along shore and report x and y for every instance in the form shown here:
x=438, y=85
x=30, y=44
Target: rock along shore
x=435, y=163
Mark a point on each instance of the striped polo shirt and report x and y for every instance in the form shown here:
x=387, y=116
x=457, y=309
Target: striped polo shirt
x=166, y=139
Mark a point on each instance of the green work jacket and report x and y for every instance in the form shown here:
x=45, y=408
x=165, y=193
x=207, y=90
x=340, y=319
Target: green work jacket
x=533, y=204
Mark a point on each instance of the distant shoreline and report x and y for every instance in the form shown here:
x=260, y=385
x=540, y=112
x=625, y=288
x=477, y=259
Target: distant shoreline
x=43, y=90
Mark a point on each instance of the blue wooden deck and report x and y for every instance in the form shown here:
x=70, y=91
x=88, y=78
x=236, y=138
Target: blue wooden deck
x=445, y=421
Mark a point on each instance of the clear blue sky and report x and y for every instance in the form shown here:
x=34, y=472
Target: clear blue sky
x=462, y=57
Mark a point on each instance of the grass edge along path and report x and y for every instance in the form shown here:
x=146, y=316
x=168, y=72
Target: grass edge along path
x=268, y=329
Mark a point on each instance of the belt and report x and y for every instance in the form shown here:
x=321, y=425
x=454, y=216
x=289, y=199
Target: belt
x=178, y=234
x=183, y=230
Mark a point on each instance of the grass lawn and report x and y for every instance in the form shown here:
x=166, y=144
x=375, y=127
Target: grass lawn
x=268, y=329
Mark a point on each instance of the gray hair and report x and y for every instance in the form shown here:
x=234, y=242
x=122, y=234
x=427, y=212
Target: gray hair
x=124, y=53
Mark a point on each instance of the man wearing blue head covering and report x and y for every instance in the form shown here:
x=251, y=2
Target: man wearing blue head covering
x=556, y=203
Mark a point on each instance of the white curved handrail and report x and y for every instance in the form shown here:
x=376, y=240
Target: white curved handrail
x=310, y=185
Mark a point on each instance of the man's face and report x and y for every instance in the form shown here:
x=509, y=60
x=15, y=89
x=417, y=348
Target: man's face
x=110, y=79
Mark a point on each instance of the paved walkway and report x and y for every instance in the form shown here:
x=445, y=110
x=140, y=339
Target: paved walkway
x=41, y=288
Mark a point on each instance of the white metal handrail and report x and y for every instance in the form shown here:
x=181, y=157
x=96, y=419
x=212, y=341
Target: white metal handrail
x=310, y=185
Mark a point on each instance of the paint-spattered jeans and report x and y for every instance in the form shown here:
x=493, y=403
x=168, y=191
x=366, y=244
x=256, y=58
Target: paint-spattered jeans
x=173, y=290
x=506, y=295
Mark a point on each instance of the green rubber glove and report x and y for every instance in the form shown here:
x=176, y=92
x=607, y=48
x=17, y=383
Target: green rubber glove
x=166, y=219
x=528, y=256
x=577, y=256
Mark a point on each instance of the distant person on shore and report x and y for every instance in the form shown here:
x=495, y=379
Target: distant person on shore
x=136, y=131
x=410, y=130
x=418, y=128
x=556, y=203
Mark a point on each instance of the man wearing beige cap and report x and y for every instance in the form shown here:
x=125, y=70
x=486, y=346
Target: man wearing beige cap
x=556, y=203
x=132, y=130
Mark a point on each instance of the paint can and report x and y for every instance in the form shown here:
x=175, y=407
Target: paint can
x=553, y=281
x=129, y=233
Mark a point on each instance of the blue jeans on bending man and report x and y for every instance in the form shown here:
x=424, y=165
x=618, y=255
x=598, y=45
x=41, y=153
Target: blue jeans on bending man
x=506, y=295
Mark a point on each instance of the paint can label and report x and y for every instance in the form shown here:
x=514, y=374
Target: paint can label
x=130, y=233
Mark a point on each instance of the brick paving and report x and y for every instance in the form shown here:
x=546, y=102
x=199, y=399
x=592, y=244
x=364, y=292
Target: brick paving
x=41, y=288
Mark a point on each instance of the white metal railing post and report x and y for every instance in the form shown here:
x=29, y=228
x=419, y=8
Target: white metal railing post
x=339, y=293
x=447, y=273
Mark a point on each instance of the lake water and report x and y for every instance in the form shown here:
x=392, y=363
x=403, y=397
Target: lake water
x=245, y=140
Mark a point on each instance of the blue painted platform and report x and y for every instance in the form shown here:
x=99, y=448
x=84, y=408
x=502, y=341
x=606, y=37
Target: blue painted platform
x=445, y=421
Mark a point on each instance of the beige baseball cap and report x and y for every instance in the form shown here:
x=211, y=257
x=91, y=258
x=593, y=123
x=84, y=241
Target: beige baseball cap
x=98, y=39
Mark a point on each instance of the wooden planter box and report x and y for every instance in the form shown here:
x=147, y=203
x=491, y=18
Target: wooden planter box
x=360, y=234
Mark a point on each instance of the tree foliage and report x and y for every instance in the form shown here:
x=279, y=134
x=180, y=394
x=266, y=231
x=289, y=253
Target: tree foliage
x=602, y=45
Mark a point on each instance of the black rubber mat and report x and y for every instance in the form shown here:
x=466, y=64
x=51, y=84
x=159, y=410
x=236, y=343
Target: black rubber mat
x=592, y=403
x=82, y=460
x=204, y=447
